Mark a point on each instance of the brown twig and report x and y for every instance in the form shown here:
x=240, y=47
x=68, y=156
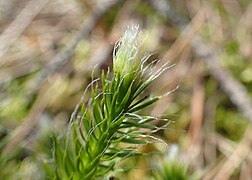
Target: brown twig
x=64, y=55
x=236, y=158
x=227, y=147
x=15, y=29
x=234, y=89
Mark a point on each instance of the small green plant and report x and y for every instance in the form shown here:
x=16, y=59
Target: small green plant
x=174, y=170
x=172, y=167
x=98, y=128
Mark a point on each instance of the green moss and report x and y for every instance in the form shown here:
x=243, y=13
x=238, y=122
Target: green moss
x=230, y=123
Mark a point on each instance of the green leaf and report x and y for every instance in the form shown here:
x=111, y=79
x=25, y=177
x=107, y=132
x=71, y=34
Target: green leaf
x=132, y=140
x=144, y=104
x=123, y=104
x=129, y=124
x=104, y=169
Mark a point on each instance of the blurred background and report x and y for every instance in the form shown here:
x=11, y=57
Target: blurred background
x=48, y=50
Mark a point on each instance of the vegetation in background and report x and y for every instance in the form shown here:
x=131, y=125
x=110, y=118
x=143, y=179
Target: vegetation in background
x=206, y=125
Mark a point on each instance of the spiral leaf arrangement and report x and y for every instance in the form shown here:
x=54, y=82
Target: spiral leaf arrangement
x=91, y=147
